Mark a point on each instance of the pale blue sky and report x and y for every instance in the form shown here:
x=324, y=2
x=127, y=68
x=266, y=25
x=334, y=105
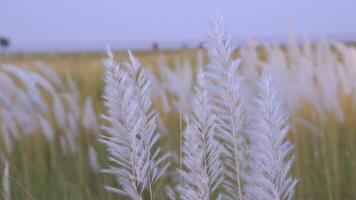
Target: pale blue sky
x=90, y=24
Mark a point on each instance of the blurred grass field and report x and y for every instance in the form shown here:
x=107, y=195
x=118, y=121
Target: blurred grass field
x=325, y=150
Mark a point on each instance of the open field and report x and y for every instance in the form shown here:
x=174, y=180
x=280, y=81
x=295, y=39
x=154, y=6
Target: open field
x=39, y=169
x=325, y=143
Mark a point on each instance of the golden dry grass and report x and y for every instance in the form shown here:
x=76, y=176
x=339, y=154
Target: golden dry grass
x=325, y=149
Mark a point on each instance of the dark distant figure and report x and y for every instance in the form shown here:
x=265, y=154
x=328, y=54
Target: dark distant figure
x=201, y=45
x=4, y=42
x=155, y=46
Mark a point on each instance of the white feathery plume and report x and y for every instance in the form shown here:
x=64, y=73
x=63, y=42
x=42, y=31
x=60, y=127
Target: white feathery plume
x=21, y=112
x=184, y=90
x=93, y=159
x=123, y=146
x=250, y=64
x=73, y=87
x=285, y=84
x=158, y=161
x=7, y=87
x=293, y=50
x=11, y=94
x=72, y=132
x=171, y=194
x=9, y=123
x=6, y=194
x=49, y=73
x=158, y=91
x=270, y=159
x=225, y=85
x=132, y=133
x=72, y=98
x=20, y=106
x=295, y=81
x=46, y=128
x=58, y=107
x=182, y=74
x=89, y=117
x=352, y=64
x=202, y=168
x=63, y=144
x=200, y=58
x=307, y=50
x=327, y=79
x=21, y=100
x=29, y=83
x=41, y=82
x=346, y=70
x=59, y=111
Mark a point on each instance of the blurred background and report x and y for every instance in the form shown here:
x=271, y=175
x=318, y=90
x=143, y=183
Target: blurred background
x=81, y=25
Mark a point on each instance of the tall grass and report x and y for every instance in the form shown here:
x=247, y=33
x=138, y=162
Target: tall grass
x=49, y=132
x=202, y=171
x=225, y=84
x=133, y=136
x=213, y=143
x=270, y=153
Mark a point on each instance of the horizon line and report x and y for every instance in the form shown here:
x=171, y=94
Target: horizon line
x=99, y=46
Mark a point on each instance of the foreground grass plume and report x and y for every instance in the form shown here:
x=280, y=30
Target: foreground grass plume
x=225, y=90
x=202, y=171
x=270, y=152
x=132, y=133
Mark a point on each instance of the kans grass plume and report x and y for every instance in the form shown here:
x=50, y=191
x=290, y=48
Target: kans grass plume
x=270, y=152
x=202, y=171
x=225, y=89
x=132, y=136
